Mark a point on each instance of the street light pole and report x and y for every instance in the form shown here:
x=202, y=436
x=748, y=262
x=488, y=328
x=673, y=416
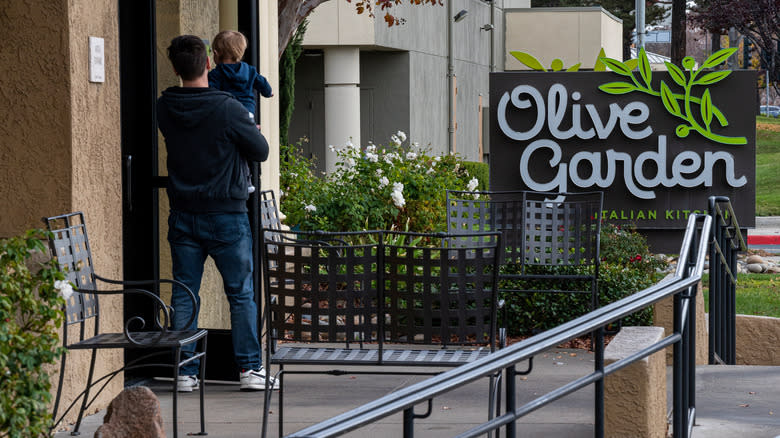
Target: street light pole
x=450, y=81
x=640, y=24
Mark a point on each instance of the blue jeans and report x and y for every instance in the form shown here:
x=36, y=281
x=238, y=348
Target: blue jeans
x=227, y=238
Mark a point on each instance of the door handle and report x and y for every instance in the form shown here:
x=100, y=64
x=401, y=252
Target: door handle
x=129, y=182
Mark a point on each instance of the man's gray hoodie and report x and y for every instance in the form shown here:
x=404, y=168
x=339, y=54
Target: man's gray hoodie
x=208, y=137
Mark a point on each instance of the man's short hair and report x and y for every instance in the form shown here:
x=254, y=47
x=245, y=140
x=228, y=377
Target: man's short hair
x=188, y=55
x=230, y=45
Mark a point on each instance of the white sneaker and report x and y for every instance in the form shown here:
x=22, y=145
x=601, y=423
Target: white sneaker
x=187, y=383
x=254, y=380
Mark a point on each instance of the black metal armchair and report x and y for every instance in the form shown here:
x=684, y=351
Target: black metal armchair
x=550, y=241
x=399, y=301
x=70, y=245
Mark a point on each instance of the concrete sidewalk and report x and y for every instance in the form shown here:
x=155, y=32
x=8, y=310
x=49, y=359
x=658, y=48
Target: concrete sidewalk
x=730, y=401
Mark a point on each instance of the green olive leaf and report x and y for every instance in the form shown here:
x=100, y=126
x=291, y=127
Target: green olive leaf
x=599, y=66
x=632, y=63
x=644, y=67
x=575, y=67
x=706, y=108
x=617, y=87
x=616, y=66
x=677, y=75
x=718, y=57
x=670, y=103
x=528, y=60
x=711, y=78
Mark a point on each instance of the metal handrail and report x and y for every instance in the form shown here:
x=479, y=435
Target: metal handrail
x=726, y=242
x=685, y=279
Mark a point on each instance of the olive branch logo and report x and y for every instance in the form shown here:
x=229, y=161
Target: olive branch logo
x=679, y=104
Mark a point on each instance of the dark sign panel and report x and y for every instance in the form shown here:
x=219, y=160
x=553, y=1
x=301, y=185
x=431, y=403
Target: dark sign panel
x=658, y=151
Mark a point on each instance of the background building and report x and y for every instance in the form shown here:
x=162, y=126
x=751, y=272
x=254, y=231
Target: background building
x=359, y=79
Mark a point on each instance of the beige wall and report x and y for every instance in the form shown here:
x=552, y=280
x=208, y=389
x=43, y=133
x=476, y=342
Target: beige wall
x=574, y=35
x=757, y=342
x=269, y=108
x=60, y=140
x=663, y=316
x=335, y=23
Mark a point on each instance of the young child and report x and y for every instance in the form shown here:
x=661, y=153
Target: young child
x=234, y=76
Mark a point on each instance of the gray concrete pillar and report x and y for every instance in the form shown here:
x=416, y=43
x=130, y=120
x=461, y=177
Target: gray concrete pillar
x=342, y=99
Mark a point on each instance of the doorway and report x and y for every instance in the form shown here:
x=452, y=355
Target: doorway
x=145, y=29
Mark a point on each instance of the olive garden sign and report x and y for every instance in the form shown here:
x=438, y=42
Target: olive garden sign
x=659, y=144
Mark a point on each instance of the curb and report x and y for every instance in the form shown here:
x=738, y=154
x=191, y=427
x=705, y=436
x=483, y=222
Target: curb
x=763, y=240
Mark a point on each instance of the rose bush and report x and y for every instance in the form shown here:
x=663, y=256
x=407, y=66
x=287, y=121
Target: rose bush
x=375, y=187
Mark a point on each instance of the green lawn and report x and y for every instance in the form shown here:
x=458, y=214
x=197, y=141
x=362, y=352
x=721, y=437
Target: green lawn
x=767, y=166
x=757, y=294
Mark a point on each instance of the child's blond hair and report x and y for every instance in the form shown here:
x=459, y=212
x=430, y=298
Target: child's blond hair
x=229, y=46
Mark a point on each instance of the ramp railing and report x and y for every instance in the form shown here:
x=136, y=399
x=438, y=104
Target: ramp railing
x=727, y=241
x=682, y=286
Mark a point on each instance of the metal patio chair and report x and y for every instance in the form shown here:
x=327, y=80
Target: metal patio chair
x=399, y=301
x=550, y=241
x=70, y=246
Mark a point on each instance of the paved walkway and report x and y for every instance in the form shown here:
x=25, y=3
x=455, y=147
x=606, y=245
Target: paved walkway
x=730, y=400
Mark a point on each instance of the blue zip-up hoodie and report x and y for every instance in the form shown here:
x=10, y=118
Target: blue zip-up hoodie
x=238, y=79
x=209, y=139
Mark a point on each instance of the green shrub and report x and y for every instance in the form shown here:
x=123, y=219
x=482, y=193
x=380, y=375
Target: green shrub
x=379, y=187
x=30, y=317
x=356, y=197
x=626, y=267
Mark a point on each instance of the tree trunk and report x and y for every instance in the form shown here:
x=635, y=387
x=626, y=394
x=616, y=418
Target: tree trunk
x=679, y=26
x=291, y=15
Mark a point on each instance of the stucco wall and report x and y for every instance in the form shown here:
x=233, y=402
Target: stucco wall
x=757, y=342
x=96, y=166
x=663, y=316
x=35, y=156
x=60, y=140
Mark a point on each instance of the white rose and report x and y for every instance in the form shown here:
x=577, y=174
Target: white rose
x=398, y=199
x=383, y=182
x=473, y=183
x=64, y=288
x=401, y=135
x=310, y=208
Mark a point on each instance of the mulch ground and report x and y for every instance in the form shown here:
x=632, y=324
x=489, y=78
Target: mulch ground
x=768, y=127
